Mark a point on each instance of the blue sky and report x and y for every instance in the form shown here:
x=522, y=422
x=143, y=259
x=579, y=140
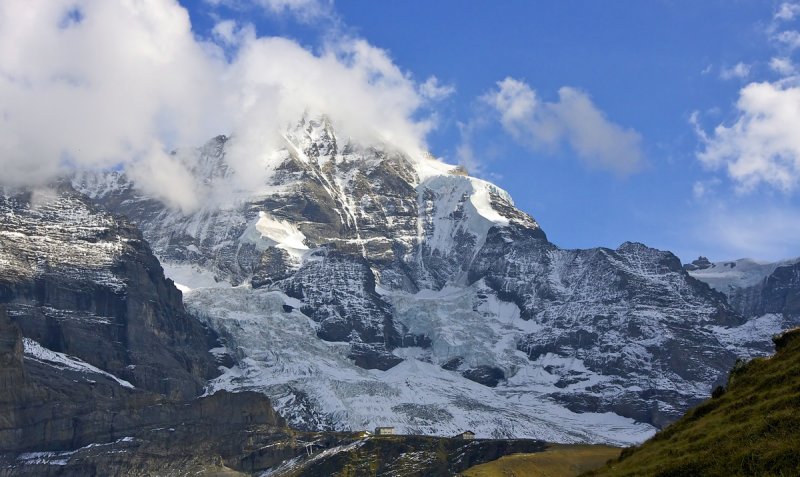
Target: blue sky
x=647, y=66
x=673, y=123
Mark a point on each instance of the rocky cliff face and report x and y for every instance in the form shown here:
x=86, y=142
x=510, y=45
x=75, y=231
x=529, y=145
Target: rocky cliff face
x=777, y=292
x=62, y=416
x=60, y=403
x=100, y=364
x=79, y=281
x=780, y=292
x=748, y=428
x=766, y=294
x=372, y=275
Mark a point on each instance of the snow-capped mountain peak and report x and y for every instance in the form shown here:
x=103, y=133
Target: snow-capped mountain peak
x=358, y=273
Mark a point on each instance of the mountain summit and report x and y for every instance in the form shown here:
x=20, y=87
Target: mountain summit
x=359, y=286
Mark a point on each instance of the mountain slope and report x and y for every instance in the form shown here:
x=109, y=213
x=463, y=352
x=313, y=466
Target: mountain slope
x=101, y=368
x=79, y=281
x=751, y=429
x=100, y=364
x=357, y=272
x=766, y=294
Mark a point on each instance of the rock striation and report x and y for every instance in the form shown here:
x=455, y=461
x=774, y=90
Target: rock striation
x=767, y=294
x=367, y=272
x=84, y=283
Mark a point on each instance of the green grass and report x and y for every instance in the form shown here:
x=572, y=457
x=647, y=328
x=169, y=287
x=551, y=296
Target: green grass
x=555, y=461
x=751, y=429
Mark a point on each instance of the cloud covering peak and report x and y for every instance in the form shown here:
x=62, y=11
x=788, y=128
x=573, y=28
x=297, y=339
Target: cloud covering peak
x=97, y=84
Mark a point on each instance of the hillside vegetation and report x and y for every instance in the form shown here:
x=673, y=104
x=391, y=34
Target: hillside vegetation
x=556, y=461
x=752, y=428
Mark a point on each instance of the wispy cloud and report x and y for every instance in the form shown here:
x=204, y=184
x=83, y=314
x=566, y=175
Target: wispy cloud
x=783, y=38
x=761, y=146
x=304, y=10
x=788, y=38
x=739, y=70
x=783, y=66
x=758, y=150
x=763, y=233
x=787, y=11
x=573, y=119
x=435, y=91
x=705, y=189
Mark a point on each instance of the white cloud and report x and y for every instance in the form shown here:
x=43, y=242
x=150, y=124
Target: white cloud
x=573, y=119
x=787, y=11
x=304, y=10
x=431, y=89
x=782, y=65
x=517, y=104
x=101, y=88
x=465, y=151
x=759, y=152
x=166, y=178
x=305, y=7
x=275, y=81
x=739, y=70
x=788, y=38
x=763, y=145
x=122, y=83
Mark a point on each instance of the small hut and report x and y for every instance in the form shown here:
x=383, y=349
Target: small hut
x=466, y=435
x=384, y=431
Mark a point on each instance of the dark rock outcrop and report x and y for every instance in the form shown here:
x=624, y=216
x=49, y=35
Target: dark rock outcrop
x=412, y=456
x=100, y=365
x=486, y=375
x=750, y=428
x=370, y=227
x=81, y=282
x=701, y=263
x=778, y=292
x=766, y=294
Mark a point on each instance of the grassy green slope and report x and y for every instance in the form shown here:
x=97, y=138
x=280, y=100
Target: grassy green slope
x=556, y=461
x=751, y=429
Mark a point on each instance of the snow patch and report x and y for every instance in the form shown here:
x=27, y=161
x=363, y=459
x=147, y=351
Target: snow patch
x=62, y=361
x=461, y=204
x=481, y=200
x=417, y=396
x=268, y=231
x=739, y=339
x=729, y=276
x=187, y=276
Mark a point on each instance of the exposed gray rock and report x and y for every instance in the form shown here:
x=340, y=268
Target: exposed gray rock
x=486, y=375
x=353, y=233
x=81, y=282
x=100, y=364
x=778, y=293
x=700, y=264
x=766, y=294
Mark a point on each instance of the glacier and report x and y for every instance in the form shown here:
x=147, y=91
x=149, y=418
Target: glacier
x=359, y=286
